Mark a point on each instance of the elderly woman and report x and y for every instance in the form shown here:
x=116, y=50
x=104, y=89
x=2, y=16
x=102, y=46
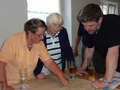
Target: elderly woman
x=22, y=50
x=57, y=43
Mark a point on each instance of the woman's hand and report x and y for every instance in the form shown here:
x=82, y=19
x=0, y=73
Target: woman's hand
x=65, y=81
x=41, y=76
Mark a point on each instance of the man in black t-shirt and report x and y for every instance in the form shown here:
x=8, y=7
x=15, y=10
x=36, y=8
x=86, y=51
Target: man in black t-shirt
x=104, y=34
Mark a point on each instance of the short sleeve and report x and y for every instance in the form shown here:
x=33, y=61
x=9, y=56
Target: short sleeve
x=7, y=50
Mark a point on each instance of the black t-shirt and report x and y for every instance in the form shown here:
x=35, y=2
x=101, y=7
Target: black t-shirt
x=107, y=36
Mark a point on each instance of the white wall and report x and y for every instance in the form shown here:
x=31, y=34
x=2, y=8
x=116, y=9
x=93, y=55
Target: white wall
x=66, y=13
x=13, y=15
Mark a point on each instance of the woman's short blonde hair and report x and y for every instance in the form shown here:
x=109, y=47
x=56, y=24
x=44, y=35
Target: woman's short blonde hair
x=54, y=18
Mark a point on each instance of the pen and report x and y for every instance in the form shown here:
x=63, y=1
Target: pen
x=106, y=88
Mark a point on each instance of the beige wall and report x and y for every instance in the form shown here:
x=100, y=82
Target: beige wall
x=13, y=15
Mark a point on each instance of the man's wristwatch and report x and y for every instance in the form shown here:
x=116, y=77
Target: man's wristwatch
x=106, y=81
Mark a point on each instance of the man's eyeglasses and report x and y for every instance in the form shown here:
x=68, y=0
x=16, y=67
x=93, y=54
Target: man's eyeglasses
x=42, y=35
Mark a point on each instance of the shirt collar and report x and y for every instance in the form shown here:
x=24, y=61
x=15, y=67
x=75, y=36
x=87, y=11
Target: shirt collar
x=47, y=34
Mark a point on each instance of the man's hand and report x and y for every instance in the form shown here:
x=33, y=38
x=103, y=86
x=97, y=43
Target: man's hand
x=9, y=88
x=81, y=71
x=65, y=81
x=41, y=76
x=99, y=84
x=78, y=72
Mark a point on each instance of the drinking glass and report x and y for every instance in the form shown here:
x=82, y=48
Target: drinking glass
x=91, y=69
x=23, y=78
x=2, y=85
x=72, y=69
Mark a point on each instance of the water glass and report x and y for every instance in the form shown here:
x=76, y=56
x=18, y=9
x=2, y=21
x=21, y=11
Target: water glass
x=23, y=79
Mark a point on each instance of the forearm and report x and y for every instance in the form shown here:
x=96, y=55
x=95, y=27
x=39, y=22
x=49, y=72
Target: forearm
x=110, y=70
x=3, y=72
x=53, y=67
x=88, y=54
x=111, y=64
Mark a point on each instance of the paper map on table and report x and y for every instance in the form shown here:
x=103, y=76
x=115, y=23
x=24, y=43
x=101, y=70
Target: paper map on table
x=52, y=83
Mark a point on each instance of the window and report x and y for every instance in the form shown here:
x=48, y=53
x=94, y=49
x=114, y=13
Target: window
x=108, y=8
x=104, y=9
x=112, y=9
x=42, y=8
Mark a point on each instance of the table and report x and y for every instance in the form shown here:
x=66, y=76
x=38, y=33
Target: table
x=52, y=83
